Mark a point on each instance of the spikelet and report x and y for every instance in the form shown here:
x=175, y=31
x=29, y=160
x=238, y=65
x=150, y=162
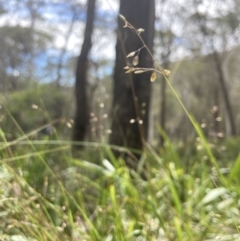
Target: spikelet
x=131, y=54
x=140, y=30
x=135, y=60
x=153, y=77
x=166, y=72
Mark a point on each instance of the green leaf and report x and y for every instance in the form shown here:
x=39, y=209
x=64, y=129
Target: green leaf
x=235, y=172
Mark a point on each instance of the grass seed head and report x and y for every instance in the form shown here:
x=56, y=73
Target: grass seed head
x=153, y=77
x=135, y=60
x=131, y=54
x=140, y=30
x=166, y=72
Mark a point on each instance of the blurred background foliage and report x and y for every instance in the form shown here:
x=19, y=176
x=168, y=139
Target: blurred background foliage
x=47, y=194
x=38, y=55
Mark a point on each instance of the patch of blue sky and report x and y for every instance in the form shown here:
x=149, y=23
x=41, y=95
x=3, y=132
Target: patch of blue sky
x=106, y=19
x=179, y=41
x=46, y=66
x=43, y=70
x=63, y=13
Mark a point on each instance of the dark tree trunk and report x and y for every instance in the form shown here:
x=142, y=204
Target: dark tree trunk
x=82, y=106
x=131, y=92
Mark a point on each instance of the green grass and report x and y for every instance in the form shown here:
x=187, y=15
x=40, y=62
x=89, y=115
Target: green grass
x=46, y=194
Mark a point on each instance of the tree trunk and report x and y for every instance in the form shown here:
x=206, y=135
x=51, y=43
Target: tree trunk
x=131, y=92
x=82, y=106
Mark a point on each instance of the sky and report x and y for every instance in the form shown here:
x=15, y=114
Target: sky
x=58, y=16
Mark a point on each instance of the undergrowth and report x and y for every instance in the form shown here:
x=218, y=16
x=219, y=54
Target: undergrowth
x=46, y=194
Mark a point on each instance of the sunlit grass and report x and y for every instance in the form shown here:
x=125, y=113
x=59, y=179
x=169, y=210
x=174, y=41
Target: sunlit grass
x=46, y=194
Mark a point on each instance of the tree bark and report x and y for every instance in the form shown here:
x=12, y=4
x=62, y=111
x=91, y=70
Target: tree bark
x=131, y=92
x=82, y=105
